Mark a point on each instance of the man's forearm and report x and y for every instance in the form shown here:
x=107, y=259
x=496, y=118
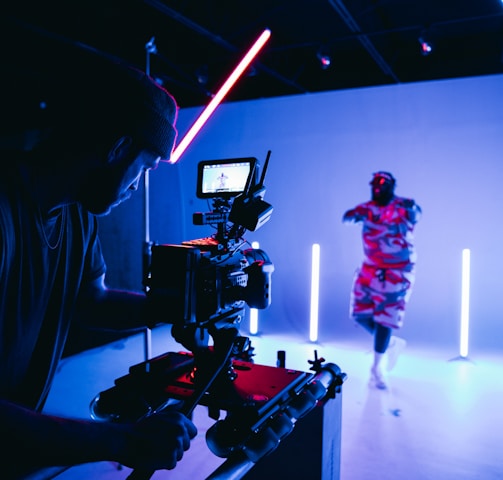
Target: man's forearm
x=43, y=440
x=116, y=310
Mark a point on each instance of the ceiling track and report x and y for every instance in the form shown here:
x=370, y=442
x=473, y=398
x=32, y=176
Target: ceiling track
x=161, y=7
x=351, y=23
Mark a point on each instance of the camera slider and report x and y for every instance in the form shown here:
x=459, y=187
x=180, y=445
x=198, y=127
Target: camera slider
x=152, y=383
x=262, y=403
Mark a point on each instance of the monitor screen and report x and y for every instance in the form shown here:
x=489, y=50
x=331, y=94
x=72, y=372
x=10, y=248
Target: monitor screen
x=224, y=178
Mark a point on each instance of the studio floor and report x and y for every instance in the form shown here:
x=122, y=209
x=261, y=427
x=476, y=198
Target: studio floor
x=441, y=417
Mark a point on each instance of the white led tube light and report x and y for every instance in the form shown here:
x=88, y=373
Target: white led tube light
x=315, y=292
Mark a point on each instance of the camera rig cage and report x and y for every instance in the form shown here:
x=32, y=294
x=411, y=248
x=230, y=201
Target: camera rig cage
x=204, y=285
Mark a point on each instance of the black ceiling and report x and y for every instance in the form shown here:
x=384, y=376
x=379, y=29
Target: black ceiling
x=198, y=42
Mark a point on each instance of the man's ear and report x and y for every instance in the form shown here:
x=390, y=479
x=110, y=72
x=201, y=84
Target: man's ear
x=119, y=149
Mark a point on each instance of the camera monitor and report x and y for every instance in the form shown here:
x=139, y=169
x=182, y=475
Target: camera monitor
x=224, y=178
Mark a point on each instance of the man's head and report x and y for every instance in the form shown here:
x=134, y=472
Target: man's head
x=383, y=187
x=108, y=126
x=145, y=111
x=142, y=117
x=110, y=102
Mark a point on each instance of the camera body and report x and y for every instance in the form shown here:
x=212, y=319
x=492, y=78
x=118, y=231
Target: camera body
x=207, y=282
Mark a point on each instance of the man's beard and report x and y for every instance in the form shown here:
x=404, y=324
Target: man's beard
x=101, y=194
x=382, y=198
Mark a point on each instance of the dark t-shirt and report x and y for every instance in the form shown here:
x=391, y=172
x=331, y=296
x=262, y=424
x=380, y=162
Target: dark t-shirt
x=40, y=277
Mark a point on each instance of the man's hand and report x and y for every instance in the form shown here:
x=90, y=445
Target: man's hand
x=355, y=214
x=158, y=442
x=412, y=209
x=408, y=203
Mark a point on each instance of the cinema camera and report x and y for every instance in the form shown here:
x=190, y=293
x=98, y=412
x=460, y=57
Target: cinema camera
x=204, y=285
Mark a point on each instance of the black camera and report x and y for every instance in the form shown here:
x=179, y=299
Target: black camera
x=206, y=282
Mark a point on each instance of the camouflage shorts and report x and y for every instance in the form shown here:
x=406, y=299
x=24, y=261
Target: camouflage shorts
x=381, y=294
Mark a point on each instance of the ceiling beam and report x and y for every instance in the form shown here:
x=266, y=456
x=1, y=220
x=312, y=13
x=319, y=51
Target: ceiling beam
x=351, y=23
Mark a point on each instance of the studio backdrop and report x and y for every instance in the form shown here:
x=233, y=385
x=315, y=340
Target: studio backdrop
x=442, y=141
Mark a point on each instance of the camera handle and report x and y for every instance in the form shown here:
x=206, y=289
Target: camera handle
x=224, y=345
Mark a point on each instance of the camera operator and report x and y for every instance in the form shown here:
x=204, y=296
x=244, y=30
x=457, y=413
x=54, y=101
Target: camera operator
x=110, y=126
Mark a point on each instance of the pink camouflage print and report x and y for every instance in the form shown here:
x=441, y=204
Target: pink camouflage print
x=382, y=285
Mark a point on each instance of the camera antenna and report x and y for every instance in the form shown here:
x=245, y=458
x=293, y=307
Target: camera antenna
x=262, y=177
x=249, y=181
x=260, y=184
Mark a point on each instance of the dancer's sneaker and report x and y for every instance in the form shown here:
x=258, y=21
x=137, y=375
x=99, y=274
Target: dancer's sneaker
x=377, y=379
x=396, y=347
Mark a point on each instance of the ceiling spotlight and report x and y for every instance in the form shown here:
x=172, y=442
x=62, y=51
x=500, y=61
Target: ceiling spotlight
x=202, y=75
x=324, y=59
x=425, y=44
x=150, y=46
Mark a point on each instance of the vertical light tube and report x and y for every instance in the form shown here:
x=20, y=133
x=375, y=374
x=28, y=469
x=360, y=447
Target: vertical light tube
x=254, y=311
x=465, y=303
x=253, y=321
x=315, y=291
x=219, y=96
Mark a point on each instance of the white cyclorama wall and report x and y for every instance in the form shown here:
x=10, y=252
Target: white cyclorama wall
x=442, y=140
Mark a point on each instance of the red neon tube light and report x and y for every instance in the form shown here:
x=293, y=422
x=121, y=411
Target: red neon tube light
x=219, y=96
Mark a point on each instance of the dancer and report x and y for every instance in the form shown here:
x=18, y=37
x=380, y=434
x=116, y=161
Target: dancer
x=383, y=283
